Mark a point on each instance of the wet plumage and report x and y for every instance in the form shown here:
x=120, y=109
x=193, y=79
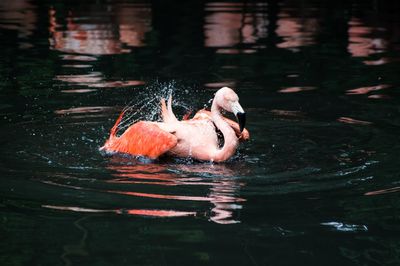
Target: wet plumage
x=196, y=138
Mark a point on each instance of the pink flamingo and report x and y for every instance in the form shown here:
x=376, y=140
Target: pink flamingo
x=196, y=138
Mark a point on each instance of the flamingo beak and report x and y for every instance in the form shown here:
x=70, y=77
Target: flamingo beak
x=242, y=120
x=240, y=115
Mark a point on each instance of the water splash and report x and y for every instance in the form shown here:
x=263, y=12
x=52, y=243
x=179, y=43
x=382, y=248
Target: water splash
x=149, y=107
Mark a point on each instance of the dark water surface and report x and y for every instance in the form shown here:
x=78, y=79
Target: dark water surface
x=318, y=184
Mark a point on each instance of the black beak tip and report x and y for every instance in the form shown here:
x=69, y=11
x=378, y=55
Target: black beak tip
x=242, y=120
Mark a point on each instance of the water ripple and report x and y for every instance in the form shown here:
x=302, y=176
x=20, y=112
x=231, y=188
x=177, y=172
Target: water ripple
x=344, y=227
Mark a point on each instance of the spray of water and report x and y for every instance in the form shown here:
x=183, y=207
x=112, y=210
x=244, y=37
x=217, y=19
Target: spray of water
x=147, y=105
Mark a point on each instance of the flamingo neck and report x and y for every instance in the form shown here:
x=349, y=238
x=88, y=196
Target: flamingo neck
x=230, y=140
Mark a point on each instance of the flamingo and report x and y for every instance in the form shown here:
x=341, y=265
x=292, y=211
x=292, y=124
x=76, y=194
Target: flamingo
x=196, y=138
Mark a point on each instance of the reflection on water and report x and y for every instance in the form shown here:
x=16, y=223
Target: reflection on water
x=83, y=110
x=364, y=40
x=83, y=58
x=165, y=190
x=81, y=79
x=19, y=15
x=228, y=24
x=368, y=38
x=140, y=212
x=349, y=120
x=288, y=113
x=367, y=90
x=296, y=28
x=296, y=89
x=102, y=32
x=230, y=27
x=107, y=31
x=216, y=181
x=220, y=84
x=383, y=191
x=94, y=80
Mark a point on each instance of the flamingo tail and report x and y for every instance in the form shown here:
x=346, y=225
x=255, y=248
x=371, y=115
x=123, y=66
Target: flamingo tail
x=114, y=129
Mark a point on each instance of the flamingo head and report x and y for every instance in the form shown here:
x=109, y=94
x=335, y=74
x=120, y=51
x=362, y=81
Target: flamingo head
x=228, y=100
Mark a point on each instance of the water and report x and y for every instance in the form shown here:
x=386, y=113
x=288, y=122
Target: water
x=317, y=184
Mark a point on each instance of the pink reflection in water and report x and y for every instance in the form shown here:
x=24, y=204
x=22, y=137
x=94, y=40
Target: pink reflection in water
x=366, y=90
x=349, y=120
x=13, y=18
x=378, y=62
x=83, y=110
x=160, y=196
x=364, y=40
x=134, y=21
x=296, y=89
x=83, y=58
x=220, y=84
x=139, y=212
x=77, y=66
x=85, y=34
x=221, y=191
x=379, y=96
x=228, y=24
x=109, y=84
x=159, y=213
x=296, y=30
x=288, y=113
x=95, y=80
x=78, y=90
x=83, y=79
x=383, y=191
x=235, y=51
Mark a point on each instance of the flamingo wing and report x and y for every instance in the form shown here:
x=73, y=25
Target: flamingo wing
x=204, y=114
x=142, y=139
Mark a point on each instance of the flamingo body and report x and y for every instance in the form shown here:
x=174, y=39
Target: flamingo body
x=206, y=115
x=142, y=138
x=196, y=138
